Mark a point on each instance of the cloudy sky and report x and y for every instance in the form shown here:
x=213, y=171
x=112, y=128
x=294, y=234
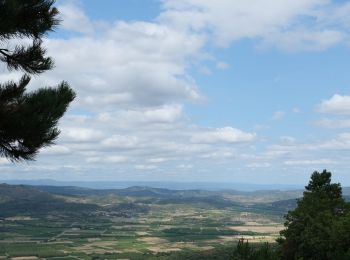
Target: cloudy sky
x=254, y=91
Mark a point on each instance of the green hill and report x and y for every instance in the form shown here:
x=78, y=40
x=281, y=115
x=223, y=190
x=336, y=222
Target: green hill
x=24, y=200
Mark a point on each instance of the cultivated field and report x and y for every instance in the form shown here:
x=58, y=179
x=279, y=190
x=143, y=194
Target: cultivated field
x=145, y=228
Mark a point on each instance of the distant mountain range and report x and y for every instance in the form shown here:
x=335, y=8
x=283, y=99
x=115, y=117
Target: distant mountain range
x=39, y=200
x=44, y=199
x=210, y=186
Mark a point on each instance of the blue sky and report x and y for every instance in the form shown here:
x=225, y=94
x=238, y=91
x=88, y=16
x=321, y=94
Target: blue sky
x=188, y=90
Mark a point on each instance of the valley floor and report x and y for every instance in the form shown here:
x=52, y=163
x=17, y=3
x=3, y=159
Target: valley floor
x=143, y=229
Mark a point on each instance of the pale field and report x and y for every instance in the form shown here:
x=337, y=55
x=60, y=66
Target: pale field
x=160, y=249
x=19, y=218
x=275, y=229
x=98, y=247
x=157, y=245
x=25, y=258
x=153, y=240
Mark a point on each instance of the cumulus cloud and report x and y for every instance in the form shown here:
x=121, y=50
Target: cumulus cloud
x=340, y=142
x=226, y=134
x=74, y=19
x=133, y=80
x=120, y=142
x=338, y=104
x=129, y=141
x=132, y=64
x=292, y=25
x=163, y=114
x=80, y=134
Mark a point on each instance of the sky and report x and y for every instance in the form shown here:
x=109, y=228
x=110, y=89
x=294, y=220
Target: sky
x=243, y=91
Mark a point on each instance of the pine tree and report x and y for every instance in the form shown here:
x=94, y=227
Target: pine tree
x=28, y=121
x=319, y=228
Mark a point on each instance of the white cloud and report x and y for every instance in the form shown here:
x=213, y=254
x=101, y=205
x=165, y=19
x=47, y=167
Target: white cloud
x=55, y=150
x=165, y=114
x=120, y=142
x=337, y=104
x=157, y=160
x=222, y=154
x=136, y=64
x=258, y=165
x=333, y=123
x=292, y=25
x=278, y=115
x=80, y=134
x=116, y=159
x=145, y=167
x=305, y=40
x=322, y=162
x=134, y=78
x=74, y=19
x=107, y=159
x=226, y=134
x=4, y=161
x=185, y=166
x=340, y=142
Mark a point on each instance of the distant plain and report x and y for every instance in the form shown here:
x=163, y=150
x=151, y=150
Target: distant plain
x=53, y=222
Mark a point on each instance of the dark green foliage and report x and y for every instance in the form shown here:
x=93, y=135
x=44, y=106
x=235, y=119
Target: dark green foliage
x=244, y=251
x=31, y=249
x=28, y=120
x=281, y=205
x=319, y=228
x=22, y=200
x=31, y=19
x=28, y=58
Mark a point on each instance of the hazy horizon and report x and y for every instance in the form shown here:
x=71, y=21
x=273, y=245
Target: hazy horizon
x=172, y=185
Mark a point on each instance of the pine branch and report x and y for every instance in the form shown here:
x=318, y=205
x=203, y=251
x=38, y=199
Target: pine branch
x=30, y=18
x=30, y=59
x=28, y=121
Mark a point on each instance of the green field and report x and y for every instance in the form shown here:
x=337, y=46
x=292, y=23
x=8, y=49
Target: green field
x=129, y=226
